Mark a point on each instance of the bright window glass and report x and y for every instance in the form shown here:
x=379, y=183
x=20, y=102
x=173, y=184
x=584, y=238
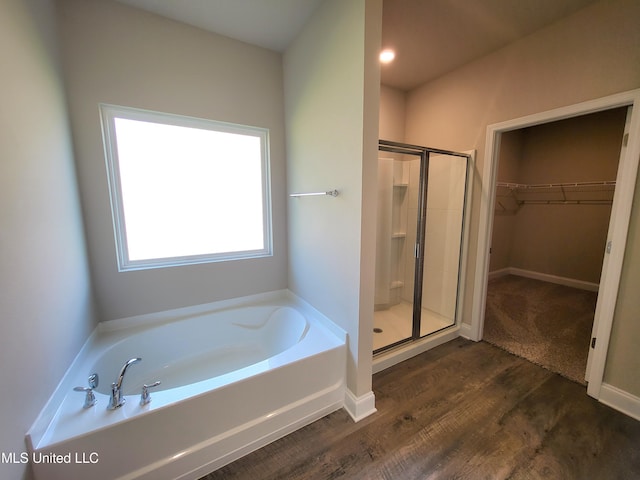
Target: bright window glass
x=185, y=190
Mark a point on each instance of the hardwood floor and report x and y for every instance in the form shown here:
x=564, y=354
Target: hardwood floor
x=463, y=410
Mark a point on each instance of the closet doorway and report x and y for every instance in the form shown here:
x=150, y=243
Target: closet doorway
x=618, y=227
x=554, y=193
x=420, y=231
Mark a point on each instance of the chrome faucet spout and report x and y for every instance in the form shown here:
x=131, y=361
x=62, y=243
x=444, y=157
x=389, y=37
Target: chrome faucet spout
x=117, y=399
x=123, y=370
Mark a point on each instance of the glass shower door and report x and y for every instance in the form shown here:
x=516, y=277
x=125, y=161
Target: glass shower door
x=397, y=227
x=421, y=204
x=442, y=244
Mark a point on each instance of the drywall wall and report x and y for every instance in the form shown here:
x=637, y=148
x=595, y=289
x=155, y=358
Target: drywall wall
x=331, y=97
x=388, y=265
x=45, y=293
x=392, y=113
x=623, y=360
x=116, y=54
x=588, y=55
x=506, y=208
x=565, y=240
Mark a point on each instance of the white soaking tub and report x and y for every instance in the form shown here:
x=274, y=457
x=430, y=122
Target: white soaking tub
x=233, y=377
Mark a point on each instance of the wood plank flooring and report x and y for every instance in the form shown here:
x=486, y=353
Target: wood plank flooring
x=463, y=410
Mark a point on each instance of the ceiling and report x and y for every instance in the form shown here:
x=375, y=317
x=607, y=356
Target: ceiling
x=430, y=37
x=271, y=24
x=433, y=37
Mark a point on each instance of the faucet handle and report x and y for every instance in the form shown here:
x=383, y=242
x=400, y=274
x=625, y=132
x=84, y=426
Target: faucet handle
x=145, y=396
x=90, y=398
x=94, y=380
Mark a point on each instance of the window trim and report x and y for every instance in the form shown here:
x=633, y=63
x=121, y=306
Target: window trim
x=108, y=114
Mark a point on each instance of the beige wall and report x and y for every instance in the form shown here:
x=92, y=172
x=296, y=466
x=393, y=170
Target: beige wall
x=388, y=260
x=623, y=359
x=124, y=56
x=505, y=210
x=45, y=293
x=588, y=55
x=330, y=81
x=392, y=113
x=562, y=240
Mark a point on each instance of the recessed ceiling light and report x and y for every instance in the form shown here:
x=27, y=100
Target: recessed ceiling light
x=387, y=55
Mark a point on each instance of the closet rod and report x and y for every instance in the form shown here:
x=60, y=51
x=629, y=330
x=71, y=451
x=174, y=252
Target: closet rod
x=556, y=185
x=564, y=202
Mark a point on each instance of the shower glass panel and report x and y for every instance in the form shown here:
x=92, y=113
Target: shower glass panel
x=397, y=227
x=420, y=208
x=443, y=241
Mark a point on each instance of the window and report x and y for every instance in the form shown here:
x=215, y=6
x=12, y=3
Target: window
x=185, y=190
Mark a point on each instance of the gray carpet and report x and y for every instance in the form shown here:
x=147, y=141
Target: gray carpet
x=547, y=324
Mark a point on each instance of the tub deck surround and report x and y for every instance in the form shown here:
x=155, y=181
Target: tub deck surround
x=234, y=376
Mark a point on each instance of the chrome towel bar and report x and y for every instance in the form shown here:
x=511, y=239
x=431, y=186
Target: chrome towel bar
x=333, y=193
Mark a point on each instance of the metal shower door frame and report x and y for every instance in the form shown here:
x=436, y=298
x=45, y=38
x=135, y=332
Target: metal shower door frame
x=419, y=247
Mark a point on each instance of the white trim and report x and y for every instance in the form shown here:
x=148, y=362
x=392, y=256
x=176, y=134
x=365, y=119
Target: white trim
x=465, y=331
x=466, y=229
x=545, y=277
x=359, y=407
x=499, y=273
x=618, y=227
x=109, y=115
x=406, y=351
x=614, y=259
x=485, y=229
x=620, y=400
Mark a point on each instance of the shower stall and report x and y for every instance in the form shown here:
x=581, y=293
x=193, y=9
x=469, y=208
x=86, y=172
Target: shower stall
x=421, y=218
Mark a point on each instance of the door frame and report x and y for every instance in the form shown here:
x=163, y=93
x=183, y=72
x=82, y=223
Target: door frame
x=618, y=224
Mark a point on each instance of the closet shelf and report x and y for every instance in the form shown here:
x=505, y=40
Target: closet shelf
x=510, y=196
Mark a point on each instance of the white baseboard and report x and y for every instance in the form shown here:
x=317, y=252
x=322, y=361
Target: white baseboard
x=499, y=273
x=465, y=331
x=620, y=400
x=359, y=407
x=545, y=277
x=404, y=352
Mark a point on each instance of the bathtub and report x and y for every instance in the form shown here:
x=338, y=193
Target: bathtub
x=233, y=375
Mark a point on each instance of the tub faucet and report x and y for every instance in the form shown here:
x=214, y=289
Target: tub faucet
x=117, y=399
x=90, y=398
